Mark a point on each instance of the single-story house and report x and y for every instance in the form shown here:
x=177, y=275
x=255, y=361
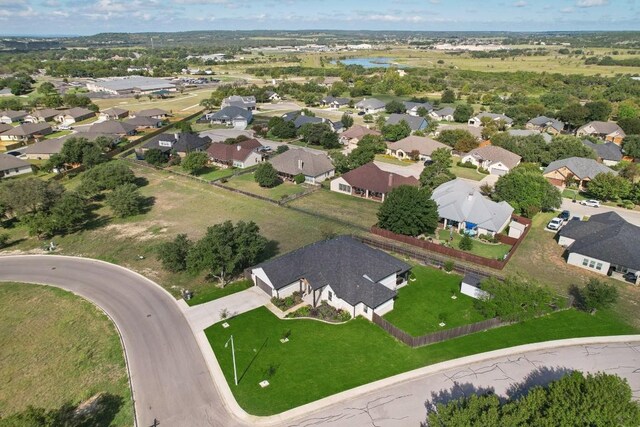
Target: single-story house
x=412, y=108
x=609, y=131
x=299, y=119
x=574, y=168
x=113, y=127
x=342, y=271
x=114, y=113
x=272, y=96
x=608, y=153
x=231, y=116
x=141, y=122
x=370, y=106
x=180, y=143
x=26, y=132
x=355, y=133
x=12, y=116
x=496, y=160
x=445, y=113
x=370, y=182
x=605, y=243
x=530, y=132
x=12, y=166
x=421, y=145
x=471, y=286
x=334, y=103
x=5, y=127
x=316, y=167
x=43, y=150
x=154, y=113
x=545, y=124
x=463, y=207
x=74, y=115
x=414, y=122
x=477, y=120
x=44, y=115
x=241, y=155
x=246, y=102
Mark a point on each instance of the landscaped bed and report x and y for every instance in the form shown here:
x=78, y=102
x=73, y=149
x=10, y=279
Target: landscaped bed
x=322, y=359
x=322, y=312
x=486, y=250
x=424, y=303
x=247, y=183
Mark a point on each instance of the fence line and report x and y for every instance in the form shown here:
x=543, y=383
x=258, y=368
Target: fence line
x=435, y=337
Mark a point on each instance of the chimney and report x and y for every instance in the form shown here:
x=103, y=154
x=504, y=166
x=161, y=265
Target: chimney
x=238, y=147
x=390, y=180
x=300, y=164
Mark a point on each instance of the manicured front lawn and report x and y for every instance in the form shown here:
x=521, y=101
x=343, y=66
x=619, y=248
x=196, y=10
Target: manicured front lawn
x=58, y=348
x=487, y=250
x=573, y=194
x=422, y=304
x=248, y=183
x=392, y=160
x=462, y=172
x=322, y=359
x=213, y=292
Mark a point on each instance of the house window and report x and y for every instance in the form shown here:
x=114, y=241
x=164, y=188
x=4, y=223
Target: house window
x=592, y=264
x=599, y=266
x=345, y=188
x=366, y=309
x=330, y=295
x=585, y=262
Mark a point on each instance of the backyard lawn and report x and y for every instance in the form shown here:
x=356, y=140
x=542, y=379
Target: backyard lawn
x=212, y=173
x=322, y=359
x=214, y=291
x=425, y=302
x=58, y=348
x=487, y=250
x=248, y=183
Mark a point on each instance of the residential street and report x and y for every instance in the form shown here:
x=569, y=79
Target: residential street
x=577, y=209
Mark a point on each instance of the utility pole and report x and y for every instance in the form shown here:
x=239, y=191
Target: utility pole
x=233, y=356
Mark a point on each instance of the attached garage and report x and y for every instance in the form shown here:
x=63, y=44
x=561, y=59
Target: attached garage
x=262, y=285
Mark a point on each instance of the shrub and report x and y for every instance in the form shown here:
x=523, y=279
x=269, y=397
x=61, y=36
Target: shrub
x=299, y=179
x=282, y=148
x=466, y=243
x=598, y=295
x=4, y=239
x=467, y=164
x=266, y=175
x=448, y=266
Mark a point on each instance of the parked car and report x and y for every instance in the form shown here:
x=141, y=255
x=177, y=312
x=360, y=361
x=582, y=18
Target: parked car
x=591, y=203
x=565, y=215
x=361, y=113
x=265, y=149
x=630, y=277
x=555, y=224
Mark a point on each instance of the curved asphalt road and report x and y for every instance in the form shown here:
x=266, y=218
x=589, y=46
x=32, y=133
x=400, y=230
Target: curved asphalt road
x=170, y=380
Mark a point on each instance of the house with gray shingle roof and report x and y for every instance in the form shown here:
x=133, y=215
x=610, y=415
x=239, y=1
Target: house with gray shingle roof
x=609, y=131
x=12, y=166
x=113, y=127
x=334, y=103
x=316, y=167
x=74, y=115
x=12, y=116
x=413, y=107
x=231, y=116
x=43, y=115
x=114, y=113
x=477, y=120
x=604, y=243
x=576, y=169
x=445, y=113
x=246, y=102
x=608, y=153
x=463, y=207
x=422, y=145
x=26, y=132
x=414, y=122
x=343, y=272
x=545, y=124
x=530, y=132
x=370, y=106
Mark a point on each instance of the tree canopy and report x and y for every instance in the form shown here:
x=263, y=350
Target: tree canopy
x=266, y=175
x=194, y=162
x=408, y=210
x=527, y=191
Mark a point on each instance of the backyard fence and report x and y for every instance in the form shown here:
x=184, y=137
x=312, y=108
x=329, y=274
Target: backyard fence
x=458, y=254
x=435, y=337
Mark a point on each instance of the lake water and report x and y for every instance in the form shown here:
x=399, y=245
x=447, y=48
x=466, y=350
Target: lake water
x=376, y=62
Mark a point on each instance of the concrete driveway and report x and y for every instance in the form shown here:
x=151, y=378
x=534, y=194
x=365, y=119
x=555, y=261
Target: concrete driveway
x=202, y=316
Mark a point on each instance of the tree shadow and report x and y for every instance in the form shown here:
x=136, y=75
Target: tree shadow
x=255, y=356
x=270, y=251
x=146, y=204
x=578, y=298
x=538, y=377
x=141, y=181
x=12, y=243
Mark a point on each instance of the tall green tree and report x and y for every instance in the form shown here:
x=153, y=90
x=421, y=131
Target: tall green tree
x=631, y=145
x=437, y=173
x=194, y=162
x=29, y=195
x=70, y=213
x=173, y=254
x=125, y=200
x=527, y=191
x=609, y=186
x=396, y=132
x=448, y=97
x=395, y=107
x=408, y=210
x=462, y=113
x=598, y=110
x=226, y=250
x=346, y=120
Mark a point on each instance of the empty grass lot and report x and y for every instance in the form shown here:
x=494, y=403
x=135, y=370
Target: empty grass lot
x=322, y=359
x=247, y=182
x=57, y=348
x=422, y=304
x=487, y=250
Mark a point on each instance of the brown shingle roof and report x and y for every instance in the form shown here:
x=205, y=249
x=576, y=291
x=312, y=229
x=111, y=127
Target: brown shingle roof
x=424, y=145
x=27, y=129
x=495, y=154
x=299, y=160
x=371, y=177
x=229, y=152
x=358, y=131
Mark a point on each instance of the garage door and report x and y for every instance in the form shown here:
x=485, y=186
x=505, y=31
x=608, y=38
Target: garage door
x=262, y=285
x=499, y=172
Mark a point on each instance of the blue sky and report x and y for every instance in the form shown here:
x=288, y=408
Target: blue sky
x=93, y=16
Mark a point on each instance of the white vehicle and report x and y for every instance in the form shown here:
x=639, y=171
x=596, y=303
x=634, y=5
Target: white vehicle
x=591, y=203
x=555, y=224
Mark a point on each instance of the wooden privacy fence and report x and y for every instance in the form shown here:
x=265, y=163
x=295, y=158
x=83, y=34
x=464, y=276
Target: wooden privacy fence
x=435, y=337
x=458, y=254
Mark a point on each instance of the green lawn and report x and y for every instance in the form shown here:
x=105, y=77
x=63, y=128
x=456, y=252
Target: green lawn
x=212, y=173
x=58, y=134
x=392, y=160
x=487, y=250
x=421, y=304
x=248, y=183
x=462, y=172
x=57, y=348
x=571, y=194
x=213, y=292
x=346, y=209
x=322, y=359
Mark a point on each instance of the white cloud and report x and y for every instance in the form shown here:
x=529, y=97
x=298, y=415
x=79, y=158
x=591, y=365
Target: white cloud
x=591, y=3
x=520, y=3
